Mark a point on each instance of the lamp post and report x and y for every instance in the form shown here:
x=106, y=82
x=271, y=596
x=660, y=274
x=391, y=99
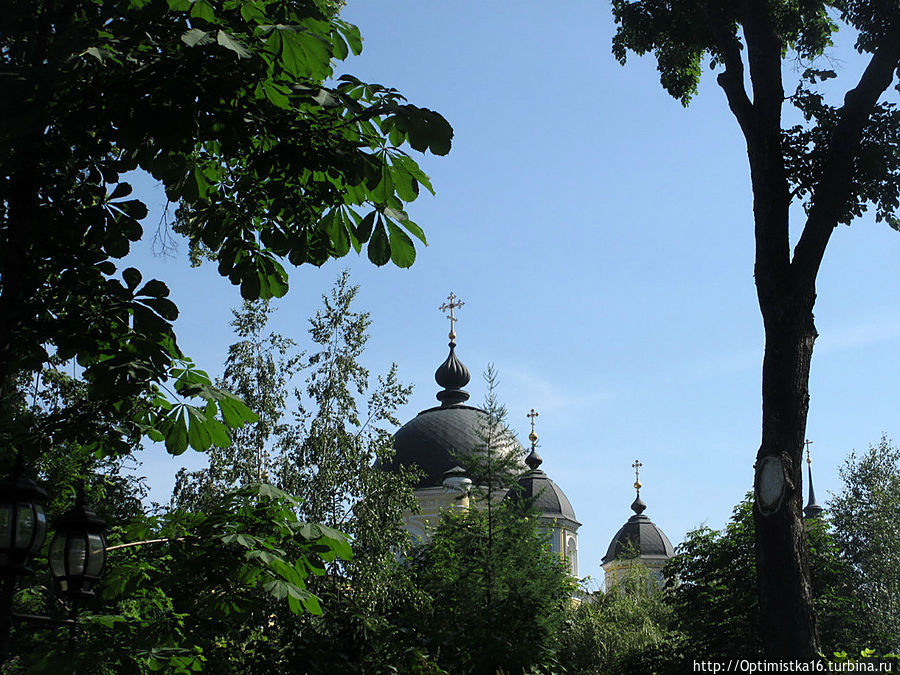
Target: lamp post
x=77, y=551
x=23, y=528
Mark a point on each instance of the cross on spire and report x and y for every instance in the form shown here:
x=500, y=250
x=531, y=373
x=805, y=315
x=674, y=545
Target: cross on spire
x=451, y=305
x=637, y=474
x=808, y=443
x=532, y=436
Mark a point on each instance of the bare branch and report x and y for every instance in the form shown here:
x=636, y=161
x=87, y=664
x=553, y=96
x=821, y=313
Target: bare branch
x=132, y=544
x=732, y=79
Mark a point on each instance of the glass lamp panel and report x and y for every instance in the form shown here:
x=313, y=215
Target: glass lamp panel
x=76, y=554
x=40, y=529
x=6, y=510
x=24, y=526
x=58, y=557
x=96, y=555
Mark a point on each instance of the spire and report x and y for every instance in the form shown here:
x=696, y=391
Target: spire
x=812, y=509
x=533, y=460
x=452, y=375
x=638, y=505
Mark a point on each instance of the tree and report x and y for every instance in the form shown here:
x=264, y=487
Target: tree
x=321, y=445
x=716, y=607
x=330, y=457
x=838, y=162
x=259, y=369
x=864, y=514
x=496, y=593
x=615, y=631
x=232, y=106
x=502, y=621
x=179, y=584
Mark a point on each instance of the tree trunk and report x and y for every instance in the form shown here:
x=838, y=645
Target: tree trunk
x=788, y=619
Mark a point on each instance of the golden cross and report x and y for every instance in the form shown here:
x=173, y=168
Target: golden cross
x=532, y=436
x=637, y=476
x=532, y=415
x=808, y=443
x=451, y=306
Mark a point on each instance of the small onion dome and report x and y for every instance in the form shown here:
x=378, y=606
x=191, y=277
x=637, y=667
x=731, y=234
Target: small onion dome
x=640, y=535
x=452, y=375
x=547, y=497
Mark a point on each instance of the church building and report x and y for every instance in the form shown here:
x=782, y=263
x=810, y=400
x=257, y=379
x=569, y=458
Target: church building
x=439, y=439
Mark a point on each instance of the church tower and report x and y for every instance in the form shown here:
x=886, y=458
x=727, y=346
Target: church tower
x=437, y=441
x=639, y=540
x=557, y=517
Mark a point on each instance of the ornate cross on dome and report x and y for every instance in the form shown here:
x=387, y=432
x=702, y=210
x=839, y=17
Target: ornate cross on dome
x=808, y=443
x=532, y=436
x=637, y=474
x=451, y=306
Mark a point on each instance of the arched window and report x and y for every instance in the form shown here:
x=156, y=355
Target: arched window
x=572, y=553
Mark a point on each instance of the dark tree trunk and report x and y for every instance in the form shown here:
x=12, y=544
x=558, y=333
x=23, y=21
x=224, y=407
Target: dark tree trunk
x=788, y=620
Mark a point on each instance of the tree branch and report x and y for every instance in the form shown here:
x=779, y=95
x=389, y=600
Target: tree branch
x=764, y=47
x=834, y=187
x=132, y=544
x=732, y=79
x=771, y=192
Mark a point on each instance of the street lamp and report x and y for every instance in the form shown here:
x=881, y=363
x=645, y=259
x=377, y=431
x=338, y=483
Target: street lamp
x=78, y=550
x=23, y=524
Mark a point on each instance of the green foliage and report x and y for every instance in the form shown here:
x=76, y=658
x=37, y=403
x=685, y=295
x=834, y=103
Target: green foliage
x=329, y=458
x=686, y=34
x=497, y=595
x=864, y=514
x=321, y=447
x=495, y=463
x=258, y=369
x=620, y=630
x=184, y=581
x=234, y=108
x=709, y=584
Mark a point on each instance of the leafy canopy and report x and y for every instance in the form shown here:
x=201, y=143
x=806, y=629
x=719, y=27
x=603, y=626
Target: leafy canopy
x=685, y=34
x=232, y=105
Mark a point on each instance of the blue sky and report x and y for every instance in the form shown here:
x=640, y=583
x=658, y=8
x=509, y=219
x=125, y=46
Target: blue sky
x=601, y=237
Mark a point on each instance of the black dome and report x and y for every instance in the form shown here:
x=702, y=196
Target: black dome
x=548, y=497
x=641, y=535
x=438, y=439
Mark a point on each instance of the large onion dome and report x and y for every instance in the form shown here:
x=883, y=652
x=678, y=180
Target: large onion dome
x=438, y=439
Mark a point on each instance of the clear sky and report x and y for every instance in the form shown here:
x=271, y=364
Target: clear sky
x=601, y=238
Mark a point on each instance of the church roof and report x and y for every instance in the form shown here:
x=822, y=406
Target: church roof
x=639, y=535
x=439, y=438
x=547, y=496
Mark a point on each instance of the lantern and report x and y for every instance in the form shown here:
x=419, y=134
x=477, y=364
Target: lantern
x=23, y=524
x=78, y=550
